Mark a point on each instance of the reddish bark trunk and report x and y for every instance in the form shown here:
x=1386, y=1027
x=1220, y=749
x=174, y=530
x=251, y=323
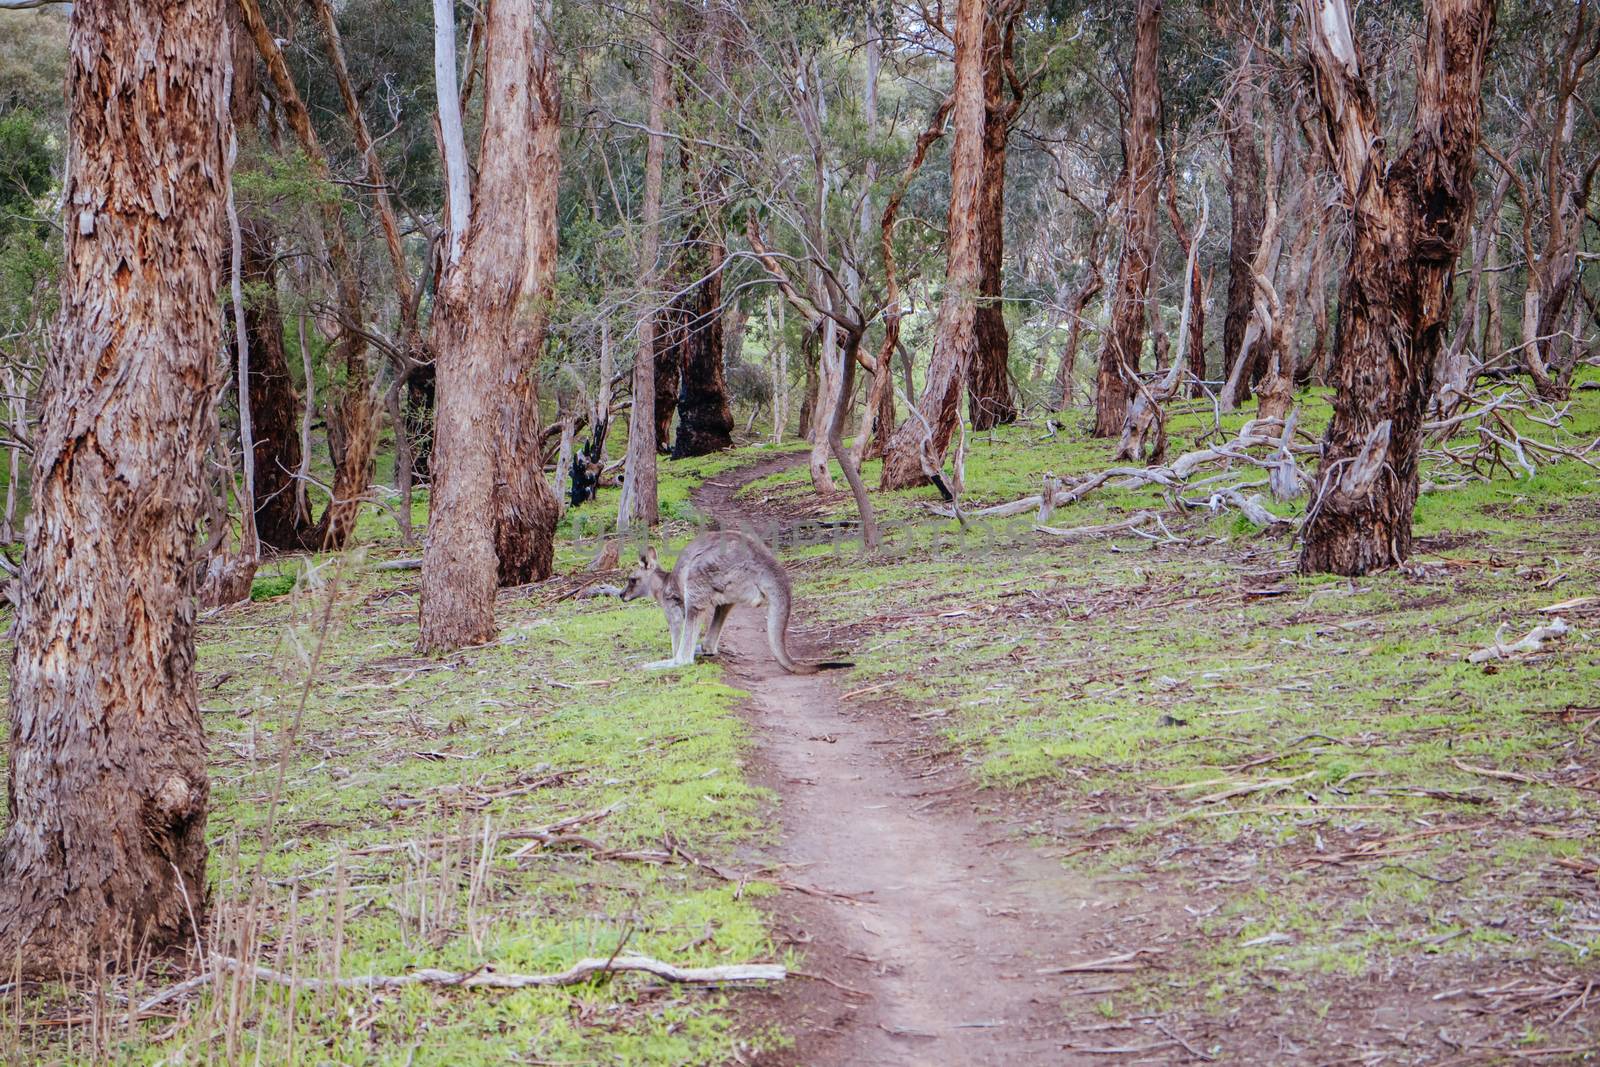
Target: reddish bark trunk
x=990, y=401
x=919, y=445
x=705, y=417
x=1409, y=219
x=108, y=788
x=1124, y=344
x=525, y=507
x=1249, y=212
x=493, y=516
x=672, y=326
x=281, y=519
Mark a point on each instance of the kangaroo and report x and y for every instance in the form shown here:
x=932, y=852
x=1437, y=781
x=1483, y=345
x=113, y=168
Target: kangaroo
x=715, y=573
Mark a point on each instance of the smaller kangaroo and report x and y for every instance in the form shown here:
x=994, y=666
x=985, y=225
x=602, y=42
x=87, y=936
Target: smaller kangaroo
x=715, y=573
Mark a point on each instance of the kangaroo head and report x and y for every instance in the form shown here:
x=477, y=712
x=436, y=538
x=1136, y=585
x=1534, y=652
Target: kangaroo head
x=644, y=579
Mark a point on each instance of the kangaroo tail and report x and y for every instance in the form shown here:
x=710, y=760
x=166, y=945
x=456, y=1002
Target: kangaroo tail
x=778, y=601
x=778, y=629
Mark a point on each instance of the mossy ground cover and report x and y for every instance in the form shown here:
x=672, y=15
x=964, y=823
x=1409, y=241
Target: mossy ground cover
x=1308, y=765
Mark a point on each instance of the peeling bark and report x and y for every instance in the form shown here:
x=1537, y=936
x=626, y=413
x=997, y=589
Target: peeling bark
x=990, y=402
x=1247, y=202
x=1409, y=219
x=493, y=516
x=108, y=787
x=281, y=518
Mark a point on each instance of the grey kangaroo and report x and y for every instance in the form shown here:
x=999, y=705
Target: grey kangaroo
x=715, y=573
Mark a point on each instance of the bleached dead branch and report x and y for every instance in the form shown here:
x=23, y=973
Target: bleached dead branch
x=1532, y=641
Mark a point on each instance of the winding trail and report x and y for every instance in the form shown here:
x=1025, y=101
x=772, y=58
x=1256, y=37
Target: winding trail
x=952, y=922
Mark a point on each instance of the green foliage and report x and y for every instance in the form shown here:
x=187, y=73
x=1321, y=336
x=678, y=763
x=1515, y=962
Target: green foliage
x=281, y=184
x=272, y=586
x=27, y=159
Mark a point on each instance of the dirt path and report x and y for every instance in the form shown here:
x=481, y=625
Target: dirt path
x=955, y=922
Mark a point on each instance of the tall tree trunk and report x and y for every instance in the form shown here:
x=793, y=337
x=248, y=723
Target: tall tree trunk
x=282, y=521
x=917, y=448
x=281, y=518
x=452, y=135
x=705, y=417
x=353, y=445
x=108, y=785
x=1124, y=343
x=1409, y=218
x=990, y=401
x=1245, y=199
x=1494, y=335
x=486, y=332
x=525, y=507
x=638, y=504
x=672, y=328
x=1194, y=344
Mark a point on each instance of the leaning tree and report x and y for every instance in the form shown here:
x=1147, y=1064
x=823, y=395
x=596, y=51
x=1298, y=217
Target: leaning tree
x=106, y=848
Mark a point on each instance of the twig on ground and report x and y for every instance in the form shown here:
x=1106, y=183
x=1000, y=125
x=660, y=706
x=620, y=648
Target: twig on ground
x=1125, y=961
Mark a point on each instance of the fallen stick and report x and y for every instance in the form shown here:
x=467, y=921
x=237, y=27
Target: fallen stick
x=1120, y=1050
x=1533, y=641
x=1574, y=603
x=1126, y=961
x=543, y=835
x=1490, y=772
x=1244, y=789
x=1074, y=532
x=487, y=977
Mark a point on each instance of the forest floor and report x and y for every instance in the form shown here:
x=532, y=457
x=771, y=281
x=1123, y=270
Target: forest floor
x=1123, y=800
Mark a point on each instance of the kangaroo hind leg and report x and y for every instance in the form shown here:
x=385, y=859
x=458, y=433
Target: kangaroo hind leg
x=719, y=618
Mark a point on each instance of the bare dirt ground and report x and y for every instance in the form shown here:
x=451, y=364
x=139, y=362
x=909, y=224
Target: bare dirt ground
x=934, y=950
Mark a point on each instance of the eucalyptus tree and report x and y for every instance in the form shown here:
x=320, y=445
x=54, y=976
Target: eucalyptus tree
x=1123, y=347
x=1409, y=218
x=638, y=506
x=105, y=851
x=916, y=451
x=493, y=516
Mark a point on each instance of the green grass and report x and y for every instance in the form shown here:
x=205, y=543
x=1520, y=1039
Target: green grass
x=1128, y=684
x=1123, y=684
x=417, y=758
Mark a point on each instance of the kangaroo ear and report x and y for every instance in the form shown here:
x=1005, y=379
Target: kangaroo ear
x=648, y=557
